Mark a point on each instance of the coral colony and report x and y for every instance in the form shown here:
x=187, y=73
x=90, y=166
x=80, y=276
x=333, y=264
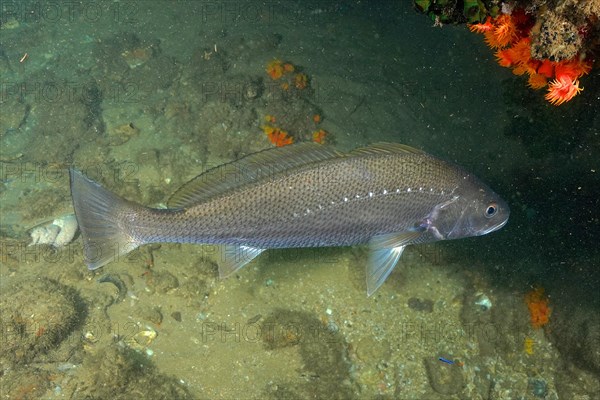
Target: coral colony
x=554, y=43
x=510, y=35
x=289, y=79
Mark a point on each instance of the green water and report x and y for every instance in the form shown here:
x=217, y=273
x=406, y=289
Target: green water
x=144, y=95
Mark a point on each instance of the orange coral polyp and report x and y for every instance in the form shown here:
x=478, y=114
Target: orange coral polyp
x=531, y=66
x=319, y=136
x=510, y=33
x=539, y=310
x=275, y=69
x=505, y=31
x=537, y=81
x=562, y=89
x=277, y=136
x=490, y=39
x=572, y=68
x=301, y=80
x=504, y=58
x=546, y=68
x=280, y=138
x=520, y=69
x=521, y=51
x=267, y=129
x=484, y=27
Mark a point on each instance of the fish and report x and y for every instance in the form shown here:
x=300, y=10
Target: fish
x=386, y=195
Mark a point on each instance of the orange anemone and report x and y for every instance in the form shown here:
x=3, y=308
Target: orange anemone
x=490, y=39
x=521, y=51
x=573, y=68
x=562, y=89
x=505, y=30
x=481, y=28
x=520, y=69
x=546, y=69
x=537, y=81
x=504, y=58
x=532, y=66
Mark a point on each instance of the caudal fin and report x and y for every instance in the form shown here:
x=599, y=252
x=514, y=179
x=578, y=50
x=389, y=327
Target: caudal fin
x=100, y=215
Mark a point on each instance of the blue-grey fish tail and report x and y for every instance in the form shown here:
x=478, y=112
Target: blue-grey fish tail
x=100, y=215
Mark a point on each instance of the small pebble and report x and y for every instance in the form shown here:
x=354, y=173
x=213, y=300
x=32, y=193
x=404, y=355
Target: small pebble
x=538, y=387
x=176, y=316
x=254, y=319
x=201, y=316
x=420, y=305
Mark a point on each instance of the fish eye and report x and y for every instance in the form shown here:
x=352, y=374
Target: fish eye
x=491, y=210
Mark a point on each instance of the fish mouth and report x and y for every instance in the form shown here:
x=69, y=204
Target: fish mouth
x=492, y=228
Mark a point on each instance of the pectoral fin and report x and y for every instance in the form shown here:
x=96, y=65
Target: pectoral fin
x=235, y=257
x=385, y=253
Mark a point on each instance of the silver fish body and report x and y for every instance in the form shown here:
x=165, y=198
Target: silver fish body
x=305, y=195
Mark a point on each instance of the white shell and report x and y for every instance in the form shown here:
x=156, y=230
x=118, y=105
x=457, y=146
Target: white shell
x=59, y=233
x=483, y=301
x=44, y=234
x=68, y=229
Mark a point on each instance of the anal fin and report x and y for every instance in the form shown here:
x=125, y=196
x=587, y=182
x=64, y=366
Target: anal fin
x=235, y=257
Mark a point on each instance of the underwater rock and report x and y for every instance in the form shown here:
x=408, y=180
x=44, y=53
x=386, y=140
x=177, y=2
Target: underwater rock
x=14, y=113
x=120, y=373
x=323, y=353
x=420, y=305
x=575, y=331
x=122, y=133
x=59, y=233
x=162, y=281
x=151, y=314
x=137, y=56
x=176, y=315
x=36, y=315
x=25, y=383
x=55, y=123
x=207, y=64
x=444, y=378
x=538, y=387
x=573, y=383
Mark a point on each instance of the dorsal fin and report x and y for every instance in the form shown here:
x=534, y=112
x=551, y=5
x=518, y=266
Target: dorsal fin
x=251, y=168
x=386, y=148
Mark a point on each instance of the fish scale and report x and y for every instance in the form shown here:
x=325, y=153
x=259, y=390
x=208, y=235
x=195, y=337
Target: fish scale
x=386, y=195
x=273, y=214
